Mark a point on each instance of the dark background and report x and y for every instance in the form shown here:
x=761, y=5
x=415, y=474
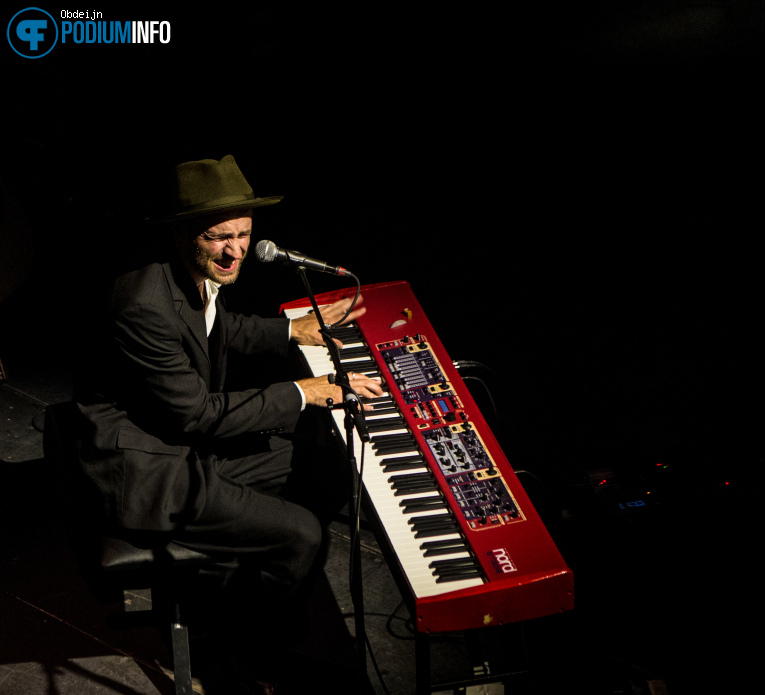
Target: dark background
x=574, y=194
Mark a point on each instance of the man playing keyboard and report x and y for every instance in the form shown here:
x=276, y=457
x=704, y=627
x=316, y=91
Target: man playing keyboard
x=172, y=451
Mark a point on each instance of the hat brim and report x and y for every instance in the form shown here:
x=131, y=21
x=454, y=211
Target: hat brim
x=201, y=211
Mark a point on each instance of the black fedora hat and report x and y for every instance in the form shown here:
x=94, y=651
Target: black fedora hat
x=209, y=186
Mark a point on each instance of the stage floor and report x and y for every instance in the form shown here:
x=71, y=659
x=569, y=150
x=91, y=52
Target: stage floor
x=638, y=625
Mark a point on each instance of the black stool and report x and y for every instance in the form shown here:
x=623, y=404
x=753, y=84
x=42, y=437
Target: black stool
x=112, y=563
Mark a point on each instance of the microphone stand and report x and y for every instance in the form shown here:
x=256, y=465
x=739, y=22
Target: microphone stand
x=354, y=419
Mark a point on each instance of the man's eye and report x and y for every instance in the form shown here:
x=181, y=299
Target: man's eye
x=242, y=235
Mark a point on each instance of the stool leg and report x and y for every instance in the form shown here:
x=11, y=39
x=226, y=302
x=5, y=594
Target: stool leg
x=179, y=640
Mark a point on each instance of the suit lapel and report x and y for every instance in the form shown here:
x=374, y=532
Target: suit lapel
x=188, y=304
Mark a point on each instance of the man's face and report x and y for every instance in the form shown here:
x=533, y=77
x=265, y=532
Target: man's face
x=218, y=252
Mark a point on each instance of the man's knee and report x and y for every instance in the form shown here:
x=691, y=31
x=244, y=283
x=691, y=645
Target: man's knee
x=288, y=568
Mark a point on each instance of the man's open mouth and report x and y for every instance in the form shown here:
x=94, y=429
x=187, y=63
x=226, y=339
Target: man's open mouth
x=230, y=268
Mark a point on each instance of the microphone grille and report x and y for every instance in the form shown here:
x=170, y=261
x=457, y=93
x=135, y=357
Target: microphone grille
x=265, y=251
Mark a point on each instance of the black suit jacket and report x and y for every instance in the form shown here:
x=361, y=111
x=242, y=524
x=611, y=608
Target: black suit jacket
x=158, y=406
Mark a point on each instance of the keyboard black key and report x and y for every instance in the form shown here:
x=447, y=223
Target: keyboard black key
x=443, y=547
x=423, y=504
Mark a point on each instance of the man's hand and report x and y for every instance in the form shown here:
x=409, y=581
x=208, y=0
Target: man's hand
x=305, y=330
x=318, y=389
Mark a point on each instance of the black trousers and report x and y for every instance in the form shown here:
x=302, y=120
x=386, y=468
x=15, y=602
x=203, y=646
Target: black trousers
x=270, y=508
x=246, y=514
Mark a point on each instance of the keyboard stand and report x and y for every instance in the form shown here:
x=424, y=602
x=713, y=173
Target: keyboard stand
x=501, y=671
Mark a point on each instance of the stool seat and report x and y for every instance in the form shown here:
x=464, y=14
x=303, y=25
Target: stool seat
x=118, y=555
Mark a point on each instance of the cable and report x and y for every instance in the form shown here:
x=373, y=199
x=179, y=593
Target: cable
x=407, y=622
x=467, y=364
x=356, y=530
x=472, y=364
x=355, y=299
x=488, y=393
x=523, y=471
x=374, y=663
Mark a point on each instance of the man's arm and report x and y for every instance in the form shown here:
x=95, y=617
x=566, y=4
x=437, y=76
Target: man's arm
x=162, y=374
x=305, y=331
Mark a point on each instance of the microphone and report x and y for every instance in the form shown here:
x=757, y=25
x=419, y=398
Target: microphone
x=267, y=251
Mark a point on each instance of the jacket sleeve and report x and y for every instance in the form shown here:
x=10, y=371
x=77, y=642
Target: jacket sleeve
x=250, y=335
x=165, y=366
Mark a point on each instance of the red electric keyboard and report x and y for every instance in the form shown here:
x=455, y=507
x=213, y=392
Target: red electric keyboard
x=469, y=549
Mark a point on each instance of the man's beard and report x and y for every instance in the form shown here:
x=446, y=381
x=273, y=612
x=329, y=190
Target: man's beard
x=204, y=262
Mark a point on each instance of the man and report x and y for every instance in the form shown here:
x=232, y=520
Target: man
x=170, y=451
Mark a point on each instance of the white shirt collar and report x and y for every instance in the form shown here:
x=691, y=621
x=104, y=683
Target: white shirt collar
x=211, y=290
